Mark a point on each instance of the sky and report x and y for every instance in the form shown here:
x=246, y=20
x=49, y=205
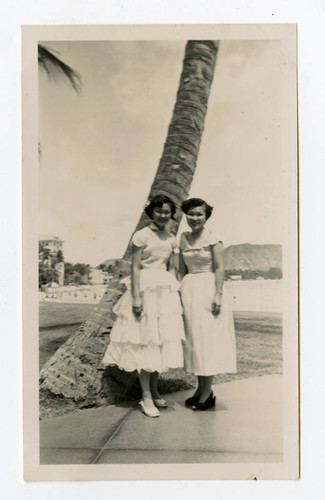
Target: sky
x=101, y=147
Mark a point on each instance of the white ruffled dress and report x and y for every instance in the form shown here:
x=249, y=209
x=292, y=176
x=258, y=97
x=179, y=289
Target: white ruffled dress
x=210, y=346
x=152, y=342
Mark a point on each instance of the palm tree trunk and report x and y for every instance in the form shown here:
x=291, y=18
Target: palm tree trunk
x=178, y=161
x=75, y=372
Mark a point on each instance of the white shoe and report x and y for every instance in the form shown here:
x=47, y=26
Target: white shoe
x=150, y=412
x=160, y=403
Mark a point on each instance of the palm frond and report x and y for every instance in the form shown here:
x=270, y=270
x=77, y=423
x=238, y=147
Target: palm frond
x=53, y=66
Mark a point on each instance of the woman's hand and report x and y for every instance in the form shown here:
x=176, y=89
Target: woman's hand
x=217, y=255
x=137, y=307
x=216, y=305
x=135, y=281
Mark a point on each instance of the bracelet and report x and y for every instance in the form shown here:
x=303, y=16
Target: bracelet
x=220, y=291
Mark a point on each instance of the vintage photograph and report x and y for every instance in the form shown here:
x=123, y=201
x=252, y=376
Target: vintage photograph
x=160, y=211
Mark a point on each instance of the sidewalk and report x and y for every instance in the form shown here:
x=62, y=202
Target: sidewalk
x=245, y=426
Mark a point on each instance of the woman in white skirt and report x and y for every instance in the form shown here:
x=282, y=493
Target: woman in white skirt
x=148, y=332
x=210, y=346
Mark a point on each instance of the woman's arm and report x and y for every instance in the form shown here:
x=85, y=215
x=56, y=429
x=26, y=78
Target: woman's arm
x=219, y=271
x=171, y=265
x=182, y=269
x=135, y=279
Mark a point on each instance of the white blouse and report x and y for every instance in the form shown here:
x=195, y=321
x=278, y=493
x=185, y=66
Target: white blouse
x=198, y=257
x=157, y=245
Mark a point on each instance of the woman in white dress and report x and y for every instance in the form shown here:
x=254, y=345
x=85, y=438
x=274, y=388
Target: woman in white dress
x=210, y=346
x=148, y=332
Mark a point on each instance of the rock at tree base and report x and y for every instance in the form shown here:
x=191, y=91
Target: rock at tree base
x=114, y=390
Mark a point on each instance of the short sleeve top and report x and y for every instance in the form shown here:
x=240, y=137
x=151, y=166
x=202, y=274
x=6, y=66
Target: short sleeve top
x=157, y=245
x=198, y=258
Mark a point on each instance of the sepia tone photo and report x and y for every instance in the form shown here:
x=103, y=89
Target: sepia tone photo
x=160, y=232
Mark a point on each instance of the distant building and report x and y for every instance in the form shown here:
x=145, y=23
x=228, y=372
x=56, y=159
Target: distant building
x=54, y=244
x=98, y=277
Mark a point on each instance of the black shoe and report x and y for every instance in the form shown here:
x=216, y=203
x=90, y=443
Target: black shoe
x=208, y=403
x=192, y=401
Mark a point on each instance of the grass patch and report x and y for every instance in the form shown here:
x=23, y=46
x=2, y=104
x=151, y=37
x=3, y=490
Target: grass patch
x=258, y=337
x=259, y=345
x=54, y=314
x=50, y=339
x=58, y=321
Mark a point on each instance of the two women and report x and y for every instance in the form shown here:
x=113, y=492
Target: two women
x=149, y=330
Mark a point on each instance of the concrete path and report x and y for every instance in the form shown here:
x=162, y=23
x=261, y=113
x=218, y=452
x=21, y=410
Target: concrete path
x=245, y=426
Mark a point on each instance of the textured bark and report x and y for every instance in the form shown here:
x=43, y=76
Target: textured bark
x=75, y=371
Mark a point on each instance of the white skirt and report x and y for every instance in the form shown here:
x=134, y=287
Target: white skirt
x=210, y=346
x=152, y=342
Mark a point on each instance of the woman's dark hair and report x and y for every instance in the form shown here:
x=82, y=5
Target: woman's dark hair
x=158, y=201
x=197, y=202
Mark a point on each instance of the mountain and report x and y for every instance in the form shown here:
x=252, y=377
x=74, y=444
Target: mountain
x=248, y=257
